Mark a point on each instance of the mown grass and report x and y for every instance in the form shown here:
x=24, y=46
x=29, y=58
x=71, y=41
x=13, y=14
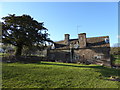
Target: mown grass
x=117, y=59
x=57, y=75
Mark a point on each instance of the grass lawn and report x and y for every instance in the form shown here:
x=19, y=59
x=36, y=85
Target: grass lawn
x=57, y=75
x=117, y=59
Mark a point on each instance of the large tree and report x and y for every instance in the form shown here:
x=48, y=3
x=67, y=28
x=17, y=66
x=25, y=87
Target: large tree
x=22, y=31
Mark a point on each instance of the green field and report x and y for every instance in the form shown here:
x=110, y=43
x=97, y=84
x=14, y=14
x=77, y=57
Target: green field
x=117, y=59
x=58, y=75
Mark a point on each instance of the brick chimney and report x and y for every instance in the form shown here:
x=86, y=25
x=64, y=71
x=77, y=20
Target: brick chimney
x=67, y=39
x=82, y=40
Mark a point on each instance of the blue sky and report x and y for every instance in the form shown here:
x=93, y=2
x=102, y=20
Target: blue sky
x=93, y=18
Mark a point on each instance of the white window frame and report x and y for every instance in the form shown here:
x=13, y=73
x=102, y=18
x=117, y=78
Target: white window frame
x=98, y=57
x=53, y=46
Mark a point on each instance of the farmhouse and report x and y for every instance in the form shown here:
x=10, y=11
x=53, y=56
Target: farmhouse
x=94, y=50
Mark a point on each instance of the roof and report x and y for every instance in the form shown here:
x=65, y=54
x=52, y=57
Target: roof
x=97, y=42
x=90, y=42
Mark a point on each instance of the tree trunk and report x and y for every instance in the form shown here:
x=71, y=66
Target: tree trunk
x=19, y=50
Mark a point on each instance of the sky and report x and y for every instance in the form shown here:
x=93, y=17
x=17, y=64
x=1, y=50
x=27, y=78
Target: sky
x=93, y=18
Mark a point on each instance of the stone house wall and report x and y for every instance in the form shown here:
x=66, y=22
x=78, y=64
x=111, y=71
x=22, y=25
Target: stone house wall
x=89, y=55
x=58, y=55
x=94, y=50
x=93, y=55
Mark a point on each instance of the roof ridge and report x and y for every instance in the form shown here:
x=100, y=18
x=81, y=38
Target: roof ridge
x=86, y=38
x=98, y=37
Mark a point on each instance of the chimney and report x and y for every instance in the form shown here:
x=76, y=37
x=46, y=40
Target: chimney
x=82, y=40
x=67, y=39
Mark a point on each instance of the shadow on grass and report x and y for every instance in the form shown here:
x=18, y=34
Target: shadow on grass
x=105, y=71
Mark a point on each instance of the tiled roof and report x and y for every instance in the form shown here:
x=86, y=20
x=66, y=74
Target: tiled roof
x=91, y=42
x=97, y=42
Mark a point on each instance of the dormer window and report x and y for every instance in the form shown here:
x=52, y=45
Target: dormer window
x=53, y=46
x=76, y=46
x=107, y=40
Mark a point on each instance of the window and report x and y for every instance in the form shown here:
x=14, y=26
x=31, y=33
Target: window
x=106, y=40
x=98, y=57
x=76, y=46
x=76, y=57
x=53, y=46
